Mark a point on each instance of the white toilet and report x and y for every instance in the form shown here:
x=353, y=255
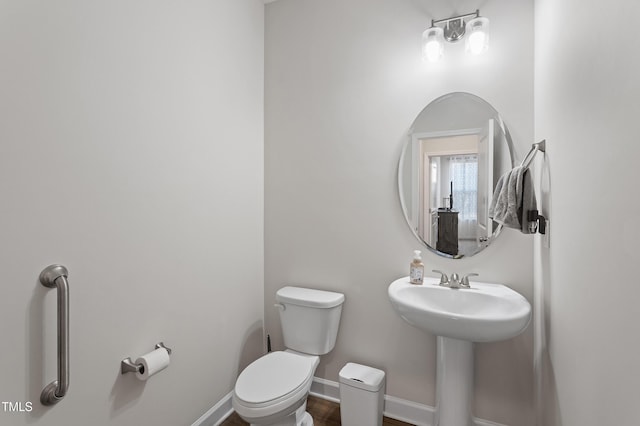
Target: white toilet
x=273, y=389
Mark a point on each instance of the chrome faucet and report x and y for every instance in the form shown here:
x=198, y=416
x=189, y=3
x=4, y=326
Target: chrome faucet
x=454, y=281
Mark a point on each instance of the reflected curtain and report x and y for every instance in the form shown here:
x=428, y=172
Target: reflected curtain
x=463, y=173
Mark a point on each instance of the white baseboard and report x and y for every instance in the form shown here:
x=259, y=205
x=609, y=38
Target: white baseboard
x=408, y=411
x=325, y=389
x=394, y=408
x=480, y=422
x=216, y=414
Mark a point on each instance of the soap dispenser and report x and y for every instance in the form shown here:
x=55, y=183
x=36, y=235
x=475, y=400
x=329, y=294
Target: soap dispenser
x=416, y=268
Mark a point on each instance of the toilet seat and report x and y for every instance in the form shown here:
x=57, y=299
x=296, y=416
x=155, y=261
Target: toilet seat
x=274, y=383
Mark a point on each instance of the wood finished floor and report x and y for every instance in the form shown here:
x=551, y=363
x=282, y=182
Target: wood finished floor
x=324, y=413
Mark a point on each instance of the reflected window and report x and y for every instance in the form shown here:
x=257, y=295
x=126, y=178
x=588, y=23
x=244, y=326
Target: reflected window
x=464, y=175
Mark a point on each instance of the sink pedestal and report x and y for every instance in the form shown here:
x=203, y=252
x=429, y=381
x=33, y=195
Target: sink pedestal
x=454, y=382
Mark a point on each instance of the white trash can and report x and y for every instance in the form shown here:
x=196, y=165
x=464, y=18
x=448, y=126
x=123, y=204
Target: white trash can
x=361, y=395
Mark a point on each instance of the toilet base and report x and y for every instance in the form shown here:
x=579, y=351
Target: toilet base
x=307, y=420
x=299, y=418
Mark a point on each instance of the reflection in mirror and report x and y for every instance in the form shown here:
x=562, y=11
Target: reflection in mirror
x=454, y=154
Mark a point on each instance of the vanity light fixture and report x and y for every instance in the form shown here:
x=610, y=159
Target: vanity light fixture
x=453, y=30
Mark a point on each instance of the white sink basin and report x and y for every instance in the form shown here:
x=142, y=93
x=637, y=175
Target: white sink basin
x=484, y=313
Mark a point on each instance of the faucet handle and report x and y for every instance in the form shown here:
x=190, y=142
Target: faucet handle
x=443, y=277
x=465, y=279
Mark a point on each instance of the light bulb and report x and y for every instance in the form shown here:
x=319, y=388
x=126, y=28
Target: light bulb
x=476, y=42
x=432, y=44
x=433, y=51
x=477, y=39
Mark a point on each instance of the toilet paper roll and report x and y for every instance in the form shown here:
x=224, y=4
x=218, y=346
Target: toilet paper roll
x=152, y=363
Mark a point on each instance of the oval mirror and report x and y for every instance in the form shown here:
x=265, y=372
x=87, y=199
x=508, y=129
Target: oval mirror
x=455, y=152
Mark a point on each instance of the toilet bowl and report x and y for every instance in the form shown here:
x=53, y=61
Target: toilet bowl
x=273, y=390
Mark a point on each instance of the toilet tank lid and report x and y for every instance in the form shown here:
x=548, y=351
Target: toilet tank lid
x=309, y=297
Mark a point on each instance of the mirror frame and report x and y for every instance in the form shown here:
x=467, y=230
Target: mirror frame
x=407, y=140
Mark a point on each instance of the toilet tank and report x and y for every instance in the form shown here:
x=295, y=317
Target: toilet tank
x=310, y=318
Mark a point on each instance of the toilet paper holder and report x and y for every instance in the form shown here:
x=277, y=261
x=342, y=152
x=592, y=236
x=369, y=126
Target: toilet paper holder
x=127, y=366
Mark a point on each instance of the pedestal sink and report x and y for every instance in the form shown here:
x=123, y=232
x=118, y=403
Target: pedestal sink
x=483, y=313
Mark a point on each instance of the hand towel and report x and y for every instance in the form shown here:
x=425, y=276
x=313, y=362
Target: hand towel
x=513, y=198
x=504, y=206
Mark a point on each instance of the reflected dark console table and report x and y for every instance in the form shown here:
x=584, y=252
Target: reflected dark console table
x=447, y=232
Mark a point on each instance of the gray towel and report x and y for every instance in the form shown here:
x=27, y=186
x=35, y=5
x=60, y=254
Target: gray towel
x=513, y=198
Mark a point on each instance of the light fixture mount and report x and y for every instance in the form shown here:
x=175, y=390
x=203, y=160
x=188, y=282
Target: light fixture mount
x=454, y=30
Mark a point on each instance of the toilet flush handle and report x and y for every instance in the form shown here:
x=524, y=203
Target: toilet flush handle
x=279, y=306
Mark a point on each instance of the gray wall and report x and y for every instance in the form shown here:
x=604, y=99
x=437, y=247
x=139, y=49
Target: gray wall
x=343, y=83
x=132, y=152
x=586, y=105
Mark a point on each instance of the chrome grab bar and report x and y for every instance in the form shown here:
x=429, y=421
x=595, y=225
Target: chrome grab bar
x=55, y=276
